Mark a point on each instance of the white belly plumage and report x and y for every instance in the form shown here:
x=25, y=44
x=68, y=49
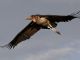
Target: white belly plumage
x=43, y=21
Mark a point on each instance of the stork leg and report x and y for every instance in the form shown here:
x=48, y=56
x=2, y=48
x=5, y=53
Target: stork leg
x=53, y=29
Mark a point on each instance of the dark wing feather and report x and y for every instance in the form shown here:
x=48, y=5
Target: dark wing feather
x=57, y=18
x=26, y=33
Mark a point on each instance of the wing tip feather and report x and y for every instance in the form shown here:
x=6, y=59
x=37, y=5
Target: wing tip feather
x=9, y=46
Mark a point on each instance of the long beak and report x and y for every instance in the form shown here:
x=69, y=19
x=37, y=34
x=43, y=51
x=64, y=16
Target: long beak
x=28, y=18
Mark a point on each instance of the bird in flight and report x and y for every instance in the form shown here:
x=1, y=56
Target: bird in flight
x=40, y=22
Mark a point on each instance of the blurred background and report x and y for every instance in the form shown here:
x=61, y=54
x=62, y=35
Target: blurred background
x=44, y=45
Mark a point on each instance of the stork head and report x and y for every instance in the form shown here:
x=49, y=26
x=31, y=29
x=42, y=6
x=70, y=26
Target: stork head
x=34, y=18
x=30, y=17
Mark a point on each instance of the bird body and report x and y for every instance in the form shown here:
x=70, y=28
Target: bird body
x=40, y=22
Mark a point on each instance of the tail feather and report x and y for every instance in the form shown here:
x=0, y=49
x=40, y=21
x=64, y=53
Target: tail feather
x=76, y=14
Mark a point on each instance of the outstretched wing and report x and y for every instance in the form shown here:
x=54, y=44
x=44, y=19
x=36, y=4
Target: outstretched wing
x=26, y=33
x=57, y=18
